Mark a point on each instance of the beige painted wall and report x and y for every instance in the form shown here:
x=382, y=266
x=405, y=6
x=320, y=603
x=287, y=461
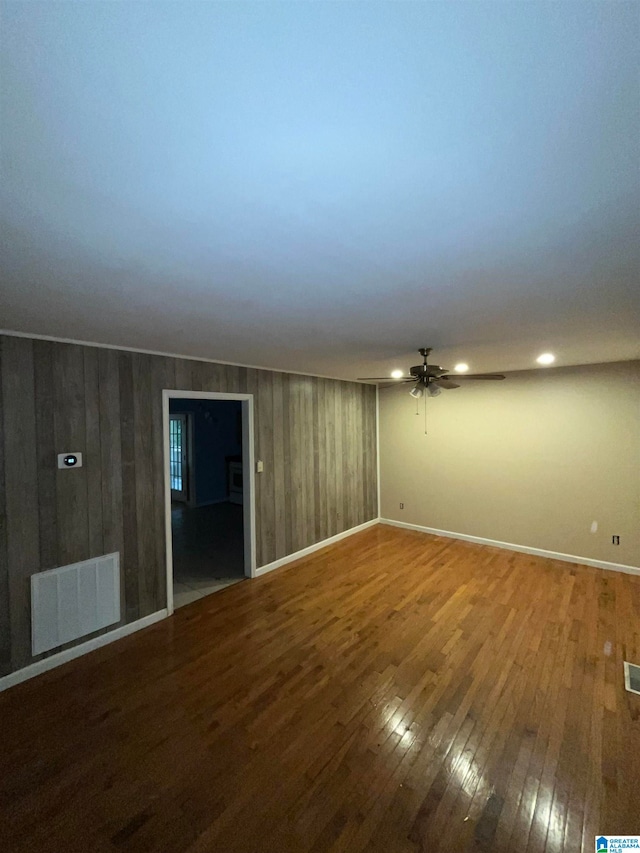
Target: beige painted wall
x=533, y=460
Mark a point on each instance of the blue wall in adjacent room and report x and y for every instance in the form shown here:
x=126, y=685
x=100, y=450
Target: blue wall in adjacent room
x=215, y=436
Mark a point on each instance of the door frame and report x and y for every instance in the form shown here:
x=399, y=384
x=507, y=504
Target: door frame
x=248, y=477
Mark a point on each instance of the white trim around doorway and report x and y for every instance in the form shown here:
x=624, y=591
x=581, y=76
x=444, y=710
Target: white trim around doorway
x=248, y=477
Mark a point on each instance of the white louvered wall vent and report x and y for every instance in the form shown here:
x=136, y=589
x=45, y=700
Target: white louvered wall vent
x=73, y=601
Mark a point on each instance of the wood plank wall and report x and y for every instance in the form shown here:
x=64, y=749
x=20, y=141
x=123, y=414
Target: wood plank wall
x=317, y=438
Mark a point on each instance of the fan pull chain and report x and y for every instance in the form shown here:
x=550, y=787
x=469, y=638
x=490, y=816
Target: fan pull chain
x=417, y=407
x=425, y=414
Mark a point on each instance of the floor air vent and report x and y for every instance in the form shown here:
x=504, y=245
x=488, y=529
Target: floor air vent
x=632, y=677
x=72, y=601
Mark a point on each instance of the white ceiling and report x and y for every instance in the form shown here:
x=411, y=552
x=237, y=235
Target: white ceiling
x=325, y=187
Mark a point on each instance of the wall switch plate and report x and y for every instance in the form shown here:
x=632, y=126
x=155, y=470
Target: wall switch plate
x=259, y=466
x=632, y=677
x=70, y=460
x=401, y=506
x=615, y=540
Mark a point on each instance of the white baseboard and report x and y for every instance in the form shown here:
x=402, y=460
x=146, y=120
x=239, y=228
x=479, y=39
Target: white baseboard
x=290, y=558
x=523, y=549
x=53, y=661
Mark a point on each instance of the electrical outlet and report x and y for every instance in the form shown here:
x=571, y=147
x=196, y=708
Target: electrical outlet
x=401, y=506
x=615, y=540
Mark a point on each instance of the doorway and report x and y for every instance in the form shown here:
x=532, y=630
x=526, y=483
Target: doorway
x=209, y=504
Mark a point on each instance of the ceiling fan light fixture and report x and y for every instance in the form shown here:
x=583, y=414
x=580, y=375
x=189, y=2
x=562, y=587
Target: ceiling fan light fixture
x=431, y=379
x=546, y=358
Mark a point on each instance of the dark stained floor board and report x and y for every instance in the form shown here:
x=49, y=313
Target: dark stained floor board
x=394, y=692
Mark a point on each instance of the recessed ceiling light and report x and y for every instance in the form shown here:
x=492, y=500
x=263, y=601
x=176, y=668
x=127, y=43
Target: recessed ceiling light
x=546, y=358
x=396, y=374
x=461, y=368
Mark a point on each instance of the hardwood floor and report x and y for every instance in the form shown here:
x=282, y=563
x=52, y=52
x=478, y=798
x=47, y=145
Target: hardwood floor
x=396, y=692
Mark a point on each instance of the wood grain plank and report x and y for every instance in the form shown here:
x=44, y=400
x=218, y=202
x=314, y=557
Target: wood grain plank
x=231, y=381
x=5, y=620
x=70, y=435
x=372, y=433
x=330, y=456
x=267, y=478
x=252, y=379
x=130, y=522
x=242, y=380
x=111, y=461
x=328, y=486
x=164, y=378
x=213, y=377
x=352, y=452
x=93, y=458
x=145, y=497
x=347, y=441
x=308, y=462
x=199, y=373
x=183, y=375
x=340, y=462
x=315, y=443
x=21, y=484
x=43, y=357
x=296, y=462
x=279, y=463
x=320, y=460
x=355, y=453
x=287, y=457
x=358, y=502
x=364, y=483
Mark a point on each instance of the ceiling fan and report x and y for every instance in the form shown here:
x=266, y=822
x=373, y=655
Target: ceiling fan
x=432, y=378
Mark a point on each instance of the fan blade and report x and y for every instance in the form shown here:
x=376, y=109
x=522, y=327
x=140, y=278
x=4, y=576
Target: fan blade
x=397, y=382
x=474, y=376
x=443, y=382
x=382, y=378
